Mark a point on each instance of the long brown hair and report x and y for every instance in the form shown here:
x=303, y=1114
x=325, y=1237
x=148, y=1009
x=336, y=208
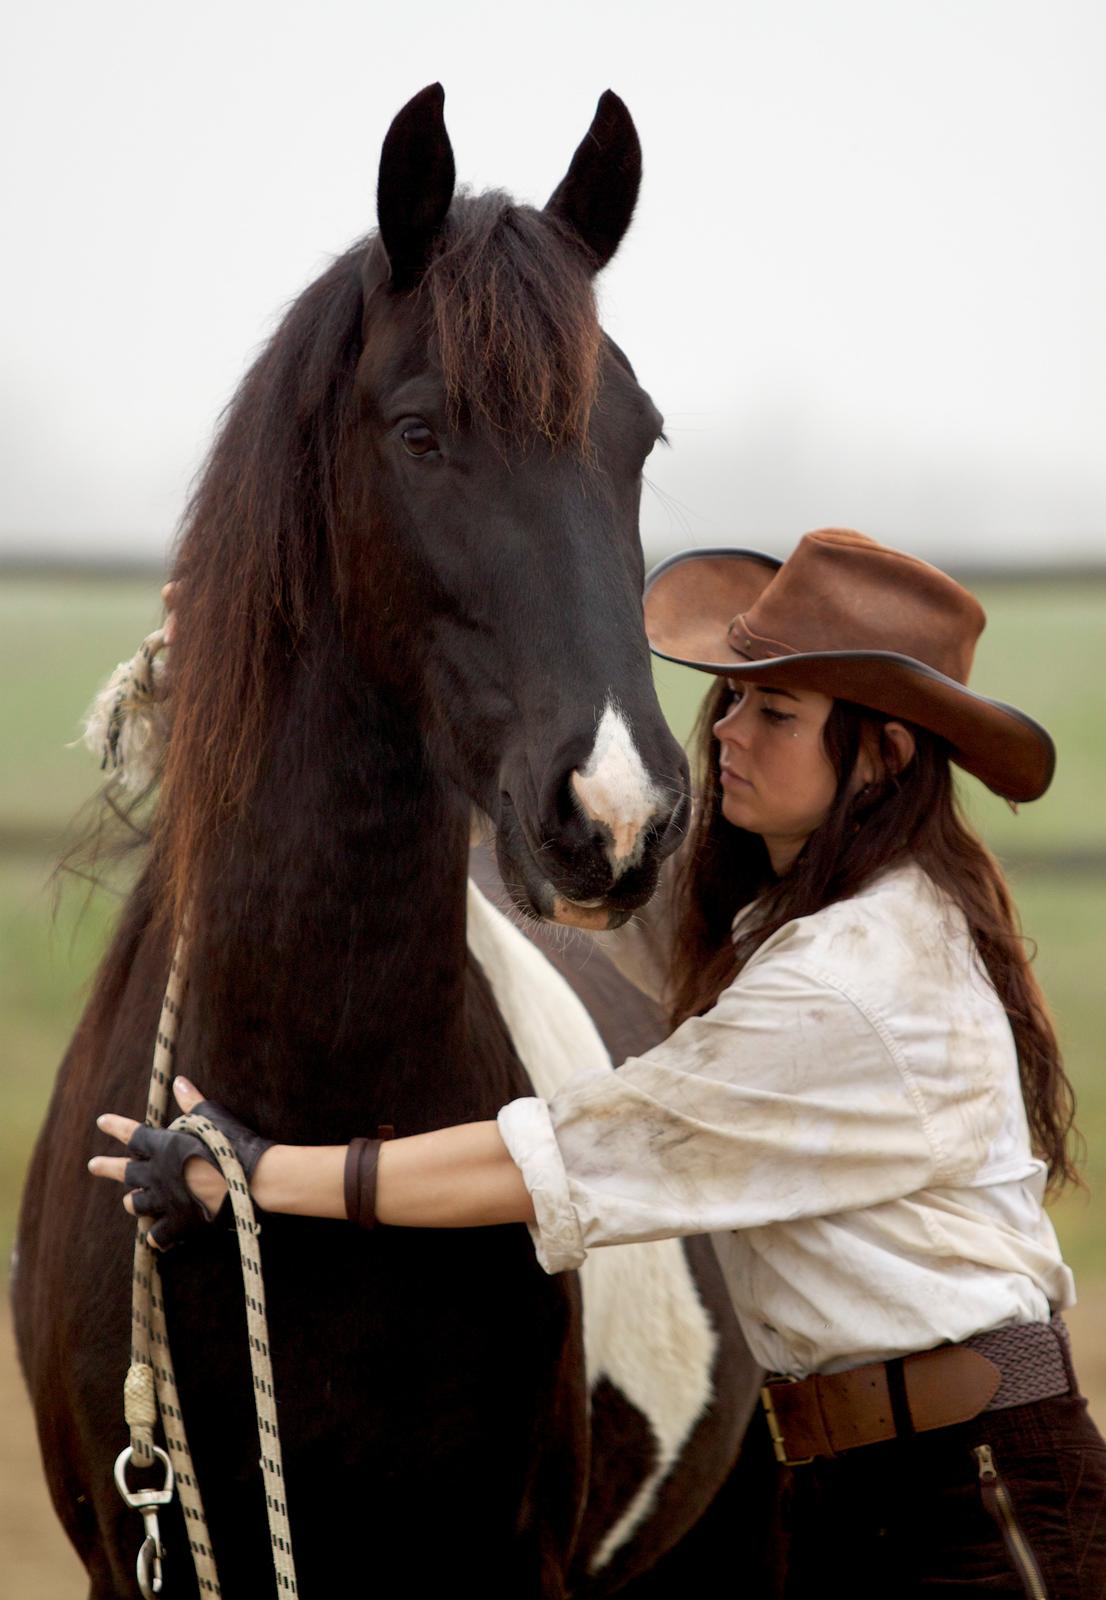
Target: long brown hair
x=914, y=815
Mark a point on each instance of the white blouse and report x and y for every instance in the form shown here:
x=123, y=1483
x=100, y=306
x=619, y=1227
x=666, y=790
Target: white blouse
x=847, y=1122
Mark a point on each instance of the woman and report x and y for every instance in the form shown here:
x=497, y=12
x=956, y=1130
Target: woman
x=862, y=1098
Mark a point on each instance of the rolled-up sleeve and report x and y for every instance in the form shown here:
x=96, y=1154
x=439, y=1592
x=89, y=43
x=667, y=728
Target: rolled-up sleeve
x=527, y=1131
x=788, y=1099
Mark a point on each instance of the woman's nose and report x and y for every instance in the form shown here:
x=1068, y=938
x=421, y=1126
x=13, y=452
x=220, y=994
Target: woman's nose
x=731, y=726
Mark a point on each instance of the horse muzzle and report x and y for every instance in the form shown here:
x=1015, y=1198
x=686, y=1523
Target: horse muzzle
x=559, y=881
x=533, y=892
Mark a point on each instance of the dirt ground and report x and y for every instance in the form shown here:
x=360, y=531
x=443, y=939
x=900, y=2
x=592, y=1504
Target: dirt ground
x=36, y=1562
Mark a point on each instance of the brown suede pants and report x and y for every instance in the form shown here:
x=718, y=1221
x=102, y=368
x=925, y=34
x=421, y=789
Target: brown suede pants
x=1011, y=1503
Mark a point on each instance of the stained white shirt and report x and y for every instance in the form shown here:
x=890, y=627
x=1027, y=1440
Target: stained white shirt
x=847, y=1122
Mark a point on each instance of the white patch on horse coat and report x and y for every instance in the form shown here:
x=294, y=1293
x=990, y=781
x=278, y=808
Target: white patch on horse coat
x=613, y=789
x=645, y=1328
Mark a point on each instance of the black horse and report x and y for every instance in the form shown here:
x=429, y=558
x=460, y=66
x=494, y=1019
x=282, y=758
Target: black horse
x=412, y=589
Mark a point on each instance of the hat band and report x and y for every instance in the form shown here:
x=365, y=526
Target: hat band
x=742, y=639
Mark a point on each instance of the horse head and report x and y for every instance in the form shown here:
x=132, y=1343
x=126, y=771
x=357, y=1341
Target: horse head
x=500, y=439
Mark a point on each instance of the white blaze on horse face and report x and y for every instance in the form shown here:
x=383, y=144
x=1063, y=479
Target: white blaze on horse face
x=614, y=790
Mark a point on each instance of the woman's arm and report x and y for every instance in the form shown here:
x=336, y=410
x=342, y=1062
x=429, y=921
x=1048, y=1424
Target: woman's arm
x=460, y=1177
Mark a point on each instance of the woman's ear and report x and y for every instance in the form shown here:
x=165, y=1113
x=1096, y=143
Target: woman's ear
x=898, y=747
x=884, y=753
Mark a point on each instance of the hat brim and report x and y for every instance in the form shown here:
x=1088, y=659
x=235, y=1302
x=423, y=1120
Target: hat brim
x=692, y=598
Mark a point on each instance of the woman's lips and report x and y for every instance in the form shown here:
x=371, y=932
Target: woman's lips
x=734, y=779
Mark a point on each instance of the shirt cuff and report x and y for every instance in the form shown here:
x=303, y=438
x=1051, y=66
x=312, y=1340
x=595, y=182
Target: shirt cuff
x=527, y=1131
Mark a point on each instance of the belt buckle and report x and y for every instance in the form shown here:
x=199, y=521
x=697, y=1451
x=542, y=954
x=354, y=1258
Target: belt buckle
x=779, y=1444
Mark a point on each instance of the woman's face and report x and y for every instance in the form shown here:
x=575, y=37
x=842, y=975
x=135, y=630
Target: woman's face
x=776, y=777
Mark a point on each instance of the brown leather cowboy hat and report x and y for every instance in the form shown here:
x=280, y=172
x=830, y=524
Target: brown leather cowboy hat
x=853, y=619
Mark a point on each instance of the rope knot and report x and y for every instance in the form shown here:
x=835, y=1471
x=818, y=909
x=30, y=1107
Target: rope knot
x=139, y=1397
x=127, y=724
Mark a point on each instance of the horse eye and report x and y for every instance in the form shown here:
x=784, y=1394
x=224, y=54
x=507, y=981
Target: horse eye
x=418, y=439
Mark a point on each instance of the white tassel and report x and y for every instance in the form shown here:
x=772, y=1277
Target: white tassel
x=127, y=725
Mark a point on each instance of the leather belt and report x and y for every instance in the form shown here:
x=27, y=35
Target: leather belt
x=830, y=1412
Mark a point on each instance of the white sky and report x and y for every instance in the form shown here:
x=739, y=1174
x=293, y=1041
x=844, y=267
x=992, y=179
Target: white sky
x=866, y=282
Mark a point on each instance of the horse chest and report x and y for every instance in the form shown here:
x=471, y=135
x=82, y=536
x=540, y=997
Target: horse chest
x=646, y=1330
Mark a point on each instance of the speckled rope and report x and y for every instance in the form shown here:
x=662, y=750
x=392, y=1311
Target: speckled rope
x=139, y=1389
x=272, y=1466
x=150, y=1383
x=126, y=726
x=134, y=688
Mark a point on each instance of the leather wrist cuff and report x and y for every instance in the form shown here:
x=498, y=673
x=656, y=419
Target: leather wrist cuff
x=362, y=1159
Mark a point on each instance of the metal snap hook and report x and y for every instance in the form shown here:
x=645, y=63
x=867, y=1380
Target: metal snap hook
x=146, y=1502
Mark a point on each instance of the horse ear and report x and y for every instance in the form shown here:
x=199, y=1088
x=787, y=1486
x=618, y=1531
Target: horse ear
x=597, y=195
x=415, y=186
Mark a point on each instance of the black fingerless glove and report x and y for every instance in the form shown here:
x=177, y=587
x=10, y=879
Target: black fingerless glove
x=248, y=1146
x=156, y=1180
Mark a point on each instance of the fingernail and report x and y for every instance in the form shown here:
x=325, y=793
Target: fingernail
x=181, y=1083
x=92, y=1164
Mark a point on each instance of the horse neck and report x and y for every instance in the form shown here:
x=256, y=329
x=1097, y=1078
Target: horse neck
x=329, y=975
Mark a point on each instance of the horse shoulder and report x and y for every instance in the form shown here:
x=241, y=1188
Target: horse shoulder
x=661, y=1343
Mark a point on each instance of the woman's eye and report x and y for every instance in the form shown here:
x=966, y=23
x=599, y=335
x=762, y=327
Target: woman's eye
x=418, y=439
x=776, y=716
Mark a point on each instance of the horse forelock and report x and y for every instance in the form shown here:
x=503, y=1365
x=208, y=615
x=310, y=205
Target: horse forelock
x=515, y=325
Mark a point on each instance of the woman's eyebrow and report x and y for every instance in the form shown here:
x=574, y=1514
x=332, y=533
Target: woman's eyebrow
x=785, y=692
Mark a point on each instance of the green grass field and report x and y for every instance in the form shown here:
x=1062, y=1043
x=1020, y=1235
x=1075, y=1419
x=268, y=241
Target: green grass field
x=1045, y=650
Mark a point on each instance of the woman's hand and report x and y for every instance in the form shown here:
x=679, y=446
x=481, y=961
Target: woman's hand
x=175, y=1178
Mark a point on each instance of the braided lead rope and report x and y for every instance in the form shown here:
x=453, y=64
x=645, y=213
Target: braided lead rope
x=126, y=726
x=151, y=1360
x=172, y=1420
x=139, y=1401
x=246, y=1226
x=151, y=1382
